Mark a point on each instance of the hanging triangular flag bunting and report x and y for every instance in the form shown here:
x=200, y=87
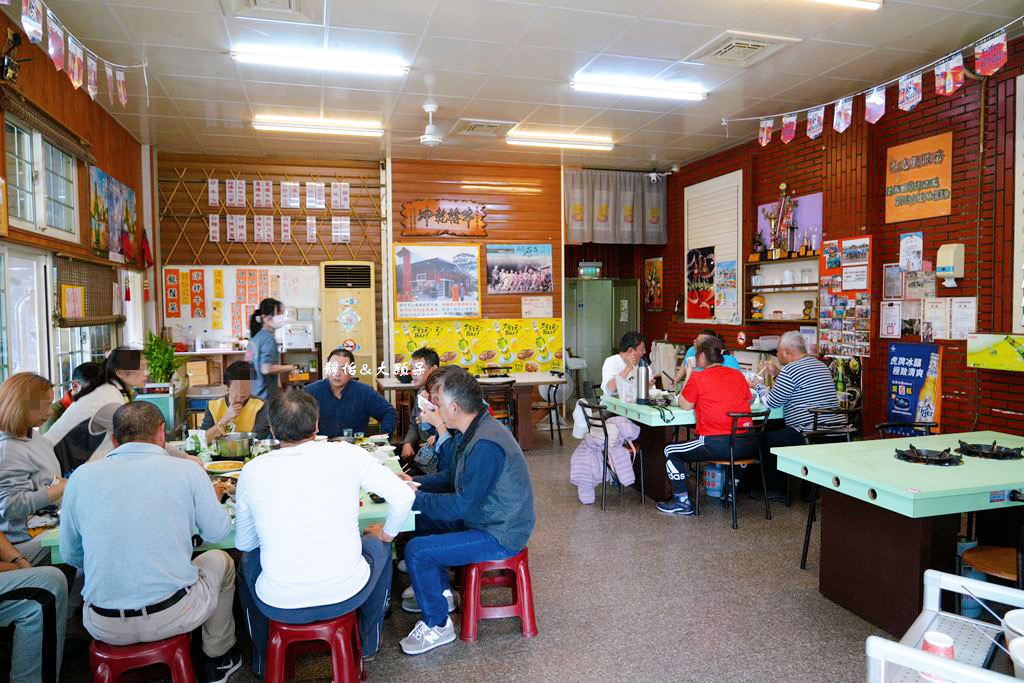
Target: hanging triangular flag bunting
x=788, y=128
x=990, y=54
x=815, y=122
x=92, y=81
x=764, y=133
x=122, y=89
x=949, y=75
x=54, y=41
x=874, y=104
x=910, y=91
x=76, y=62
x=843, y=116
x=32, y=19
x=110, y=82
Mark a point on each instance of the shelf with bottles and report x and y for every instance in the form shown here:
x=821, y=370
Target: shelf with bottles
x=777, y=291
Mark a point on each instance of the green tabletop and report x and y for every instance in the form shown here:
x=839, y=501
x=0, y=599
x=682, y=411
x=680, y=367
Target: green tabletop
x=369, y=513
x=869, y=471
x=652, y=417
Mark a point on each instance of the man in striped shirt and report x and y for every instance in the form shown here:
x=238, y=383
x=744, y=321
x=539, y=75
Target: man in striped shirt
x=804, y=382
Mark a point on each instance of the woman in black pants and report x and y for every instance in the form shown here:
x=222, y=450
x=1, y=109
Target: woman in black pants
x=712, y=394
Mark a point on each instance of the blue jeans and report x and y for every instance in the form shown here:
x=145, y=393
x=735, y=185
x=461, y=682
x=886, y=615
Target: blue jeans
x=371, y=601
x=35, y=601
x=428, y=557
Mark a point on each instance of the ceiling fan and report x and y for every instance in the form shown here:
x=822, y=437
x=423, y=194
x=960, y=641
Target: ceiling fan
x=431, y=135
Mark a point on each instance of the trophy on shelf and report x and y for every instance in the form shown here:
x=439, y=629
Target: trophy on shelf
x=780, y=218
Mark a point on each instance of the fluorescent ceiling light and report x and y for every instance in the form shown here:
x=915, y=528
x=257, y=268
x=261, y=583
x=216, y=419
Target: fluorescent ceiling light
x=601, y=143
x=316, y=61
x=856, y=4
x=638, y=88
x=299, y=124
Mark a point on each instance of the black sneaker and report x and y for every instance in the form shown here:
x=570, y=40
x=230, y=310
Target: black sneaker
x=219, y=669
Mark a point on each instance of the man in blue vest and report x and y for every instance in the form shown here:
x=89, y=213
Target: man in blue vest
x=486, y=494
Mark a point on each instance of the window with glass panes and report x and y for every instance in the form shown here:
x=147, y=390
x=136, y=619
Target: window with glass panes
x=20, y=159
x=77, y=345
x=60, y=188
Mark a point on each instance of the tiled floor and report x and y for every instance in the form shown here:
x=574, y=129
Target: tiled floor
x=630, y=594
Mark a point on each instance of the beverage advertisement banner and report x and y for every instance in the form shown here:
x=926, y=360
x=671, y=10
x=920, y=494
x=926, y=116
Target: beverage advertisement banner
x=915, y=383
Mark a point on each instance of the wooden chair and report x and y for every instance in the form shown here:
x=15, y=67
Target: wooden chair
x=597, y=418
x=552, y=406
x=740, y=436
x=500, y=396
x=993, y=560
x=822, y=435
x=890, y=430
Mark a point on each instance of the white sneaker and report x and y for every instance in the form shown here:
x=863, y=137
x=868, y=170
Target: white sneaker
x=401, y=567
x=410, y=605
x=425, y=638
x=408, y=593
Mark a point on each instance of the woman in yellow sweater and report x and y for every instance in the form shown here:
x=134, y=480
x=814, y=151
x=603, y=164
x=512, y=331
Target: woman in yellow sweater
x=239, y=411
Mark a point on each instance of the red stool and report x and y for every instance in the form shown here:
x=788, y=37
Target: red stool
x=473, y=579
x=341, y=634
x=110, y=661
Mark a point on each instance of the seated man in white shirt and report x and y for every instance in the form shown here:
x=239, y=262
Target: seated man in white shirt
x=618, y=369
x=297, y=513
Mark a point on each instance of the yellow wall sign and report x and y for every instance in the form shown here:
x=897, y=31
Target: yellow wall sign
x=996, y=351
x=528, y=345
x=918, y=179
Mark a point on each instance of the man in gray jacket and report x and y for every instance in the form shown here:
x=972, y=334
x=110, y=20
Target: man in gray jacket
x=487, y=489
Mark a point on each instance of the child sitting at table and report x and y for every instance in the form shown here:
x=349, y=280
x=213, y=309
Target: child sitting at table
x=712, y=394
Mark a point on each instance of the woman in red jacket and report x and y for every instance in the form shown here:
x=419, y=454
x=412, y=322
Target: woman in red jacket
x=712, y=394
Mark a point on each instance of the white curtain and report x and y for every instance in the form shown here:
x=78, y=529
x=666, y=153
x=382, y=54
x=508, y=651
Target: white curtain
x=614, y=207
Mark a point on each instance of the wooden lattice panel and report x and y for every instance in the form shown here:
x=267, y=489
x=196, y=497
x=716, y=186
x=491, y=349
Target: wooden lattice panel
x=184, y=210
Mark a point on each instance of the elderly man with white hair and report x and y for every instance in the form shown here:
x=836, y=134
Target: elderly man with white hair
x=803, y=382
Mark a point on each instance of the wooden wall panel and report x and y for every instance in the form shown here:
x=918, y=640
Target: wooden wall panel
x=184, y=236
x=183, y=211
x=523, y=207
x=114, y=149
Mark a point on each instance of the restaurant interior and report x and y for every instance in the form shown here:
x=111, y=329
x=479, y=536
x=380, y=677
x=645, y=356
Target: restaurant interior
x=585, y=205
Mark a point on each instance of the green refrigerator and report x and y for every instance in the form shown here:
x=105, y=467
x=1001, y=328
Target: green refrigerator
x=597, y=314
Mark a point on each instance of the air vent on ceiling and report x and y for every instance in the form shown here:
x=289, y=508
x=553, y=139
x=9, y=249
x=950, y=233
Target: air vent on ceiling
x=738, y=48
x=482, y=128
x=346, y=277
x=281, y=10
x=273, y=5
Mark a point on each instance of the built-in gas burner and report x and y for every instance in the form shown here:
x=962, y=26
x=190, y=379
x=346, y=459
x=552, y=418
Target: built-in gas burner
x=991, y=451
x=944, y=458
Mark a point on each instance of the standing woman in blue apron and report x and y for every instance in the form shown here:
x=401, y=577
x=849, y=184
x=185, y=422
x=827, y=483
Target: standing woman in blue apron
x=262, y=350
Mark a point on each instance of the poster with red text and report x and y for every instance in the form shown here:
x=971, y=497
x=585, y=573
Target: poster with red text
x=286, y=229
x=197, y=292
x=172, y=291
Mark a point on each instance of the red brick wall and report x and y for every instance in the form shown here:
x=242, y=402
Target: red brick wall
x=849, y=170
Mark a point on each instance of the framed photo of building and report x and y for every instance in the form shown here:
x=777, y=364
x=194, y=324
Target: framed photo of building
x=439, y=281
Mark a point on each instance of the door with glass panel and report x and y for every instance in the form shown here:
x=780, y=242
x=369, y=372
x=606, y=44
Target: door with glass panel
x=27, y=343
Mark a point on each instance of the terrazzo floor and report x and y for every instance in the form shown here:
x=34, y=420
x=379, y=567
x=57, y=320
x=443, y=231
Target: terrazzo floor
x=628, y=594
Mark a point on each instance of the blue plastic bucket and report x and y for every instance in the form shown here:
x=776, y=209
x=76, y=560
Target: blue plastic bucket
x=714, y=480
x=969, y=607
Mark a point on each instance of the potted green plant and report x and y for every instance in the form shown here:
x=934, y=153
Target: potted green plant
x=162, y=363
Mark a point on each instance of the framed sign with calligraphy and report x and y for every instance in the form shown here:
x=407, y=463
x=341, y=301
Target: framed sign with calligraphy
x=443, y=217
x=918, y=179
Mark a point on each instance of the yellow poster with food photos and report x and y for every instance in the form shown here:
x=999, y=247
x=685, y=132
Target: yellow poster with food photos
x=525, y=345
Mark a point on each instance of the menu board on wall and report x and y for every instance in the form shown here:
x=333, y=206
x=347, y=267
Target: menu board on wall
x=528, y=345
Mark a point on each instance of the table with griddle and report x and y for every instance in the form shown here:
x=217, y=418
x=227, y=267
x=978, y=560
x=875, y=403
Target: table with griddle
x=885, y=520
x=656, y=427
